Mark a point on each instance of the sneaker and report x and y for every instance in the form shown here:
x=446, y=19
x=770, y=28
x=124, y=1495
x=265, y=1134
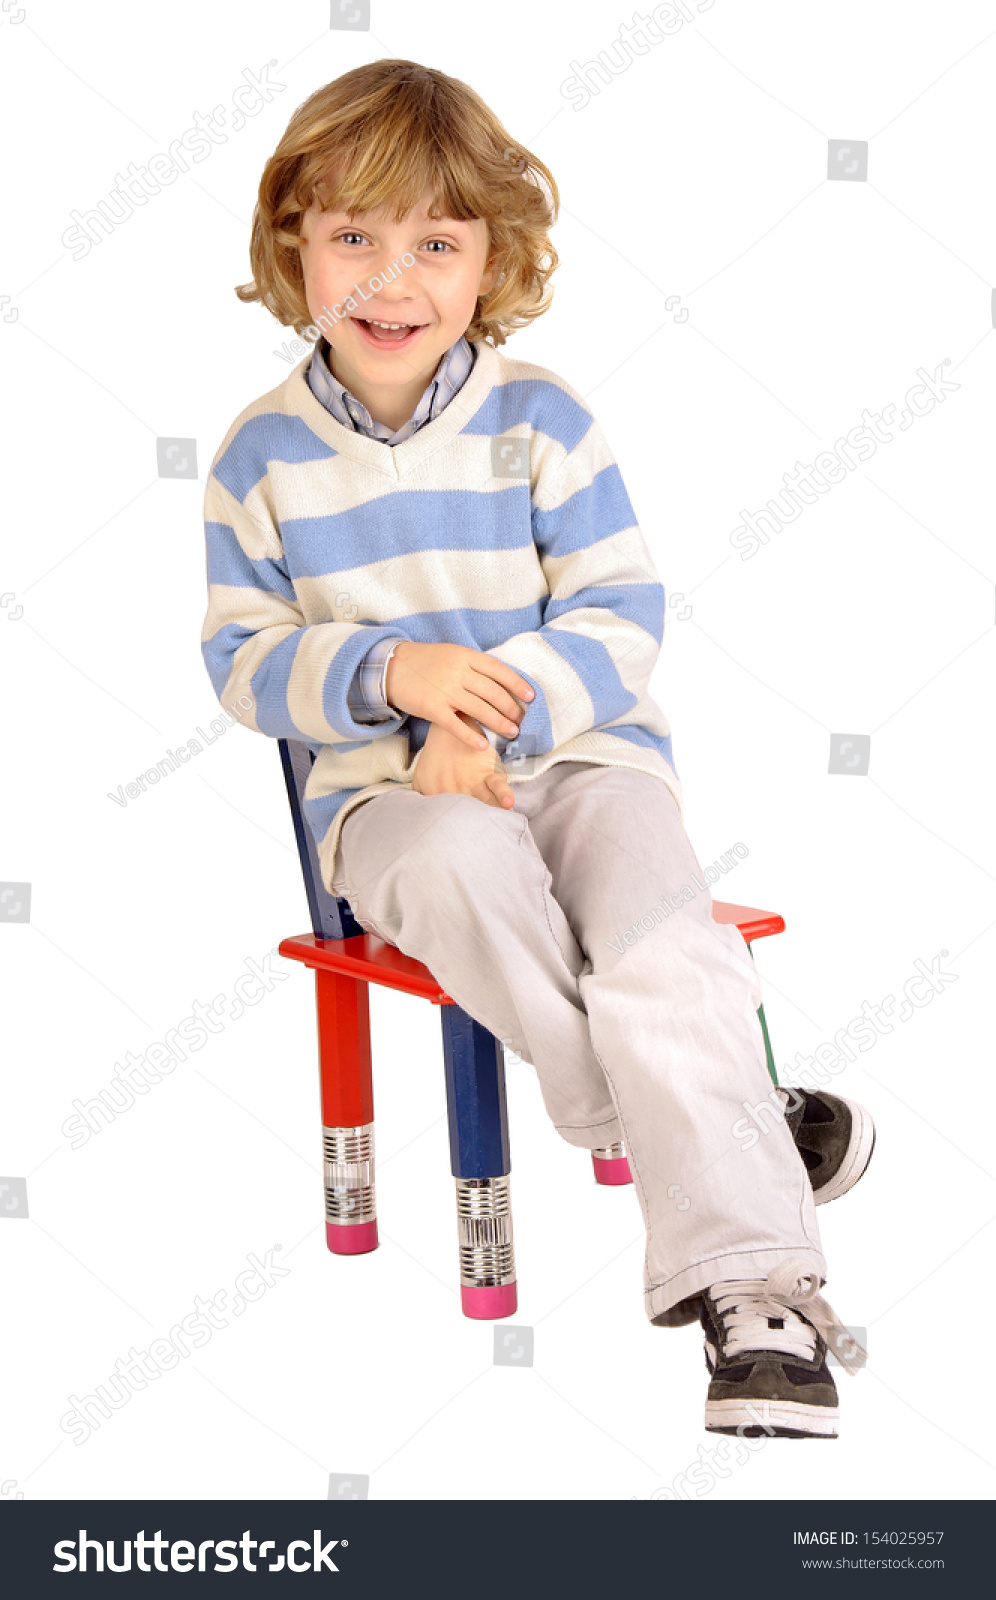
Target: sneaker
x=767, y=1366
x=834, y=1137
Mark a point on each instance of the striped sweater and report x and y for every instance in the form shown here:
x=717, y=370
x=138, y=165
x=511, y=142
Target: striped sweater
x=368, y=694
x=503, y=524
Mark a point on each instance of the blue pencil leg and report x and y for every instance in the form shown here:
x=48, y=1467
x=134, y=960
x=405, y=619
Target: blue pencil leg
x=479, y=1159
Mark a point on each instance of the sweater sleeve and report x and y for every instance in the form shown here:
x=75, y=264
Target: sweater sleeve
x=603, y=622
x=290, y=679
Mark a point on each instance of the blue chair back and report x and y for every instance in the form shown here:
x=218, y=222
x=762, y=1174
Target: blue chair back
x=331, y=916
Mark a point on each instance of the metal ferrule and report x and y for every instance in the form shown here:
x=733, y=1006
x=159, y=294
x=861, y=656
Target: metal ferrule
x=349, y=1174
x=610, y=1152
x=484, y=1226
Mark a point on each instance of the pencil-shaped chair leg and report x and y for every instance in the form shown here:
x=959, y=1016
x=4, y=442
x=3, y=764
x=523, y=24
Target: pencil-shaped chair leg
x=479, y=1158
x=347, y=1113
x=768, y=1052
x=610, y=1164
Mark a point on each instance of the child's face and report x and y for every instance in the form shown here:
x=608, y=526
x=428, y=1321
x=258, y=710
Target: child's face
x=437, y=296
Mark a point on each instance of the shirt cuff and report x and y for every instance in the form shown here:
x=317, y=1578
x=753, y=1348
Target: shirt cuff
x=367, y=695
x=389, y=645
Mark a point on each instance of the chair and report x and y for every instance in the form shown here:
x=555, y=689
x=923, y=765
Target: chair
x=346, y=961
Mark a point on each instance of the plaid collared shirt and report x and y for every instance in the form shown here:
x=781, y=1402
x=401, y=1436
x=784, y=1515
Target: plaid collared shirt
x=451, y=374
x=367, y=696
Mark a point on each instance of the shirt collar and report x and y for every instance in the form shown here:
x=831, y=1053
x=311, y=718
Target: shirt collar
x=452, y=373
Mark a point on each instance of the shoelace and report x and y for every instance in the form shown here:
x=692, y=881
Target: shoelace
x=790, y=1295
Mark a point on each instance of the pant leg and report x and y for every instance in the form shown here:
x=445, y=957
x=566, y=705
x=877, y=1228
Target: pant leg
x=656, y=1042
x=672, y=1014
x=460, y=886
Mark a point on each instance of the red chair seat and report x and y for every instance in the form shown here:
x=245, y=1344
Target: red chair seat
x=367, y=957
x=375, y=961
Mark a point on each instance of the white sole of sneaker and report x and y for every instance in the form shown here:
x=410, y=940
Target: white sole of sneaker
x=859, y=1153
x=816, y=1422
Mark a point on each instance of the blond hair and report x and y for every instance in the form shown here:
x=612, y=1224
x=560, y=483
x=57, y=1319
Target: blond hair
x=379, y=136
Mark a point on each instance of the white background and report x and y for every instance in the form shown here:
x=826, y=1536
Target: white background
x=701, y=171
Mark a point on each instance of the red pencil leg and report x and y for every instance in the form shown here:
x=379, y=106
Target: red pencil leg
x=347, y=1113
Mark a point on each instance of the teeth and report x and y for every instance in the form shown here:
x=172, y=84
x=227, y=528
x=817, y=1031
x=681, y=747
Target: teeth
x=389, y=324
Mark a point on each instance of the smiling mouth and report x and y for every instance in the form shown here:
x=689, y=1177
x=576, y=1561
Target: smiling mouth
x=400, y=335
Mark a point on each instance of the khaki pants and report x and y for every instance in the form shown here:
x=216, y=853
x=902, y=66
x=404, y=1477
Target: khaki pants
x=522, y=916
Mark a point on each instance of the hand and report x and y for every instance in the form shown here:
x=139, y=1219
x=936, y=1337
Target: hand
x=446, y=766
x=441, y=681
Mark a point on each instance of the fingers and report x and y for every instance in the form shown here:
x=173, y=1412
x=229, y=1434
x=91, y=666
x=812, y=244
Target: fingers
x=486, y=713
x=437, y=681
x=505, y=675
x=493, y=695
x=420, y=687
x=499, y=791
x=469, y=736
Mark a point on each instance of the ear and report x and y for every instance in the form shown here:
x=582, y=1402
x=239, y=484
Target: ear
x=488, y=278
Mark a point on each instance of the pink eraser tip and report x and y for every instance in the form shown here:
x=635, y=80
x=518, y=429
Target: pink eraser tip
x=351, y=1239
x=488, y=1303
x=612, y=1171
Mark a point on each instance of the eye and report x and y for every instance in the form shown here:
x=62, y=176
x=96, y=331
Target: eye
x=343, y=238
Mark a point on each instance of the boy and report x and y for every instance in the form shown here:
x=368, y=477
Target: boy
x=422, y=561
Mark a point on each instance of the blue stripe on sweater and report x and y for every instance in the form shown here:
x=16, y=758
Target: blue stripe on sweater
x=219, y=650
x=543, y=405
x=404, y=522
x=320, y=814
x=269, y=437
x=596, y=669
x=228, y=563
x=642, y=603
x=589, y=515
x=632, y=732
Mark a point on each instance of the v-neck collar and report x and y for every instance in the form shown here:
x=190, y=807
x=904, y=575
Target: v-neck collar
x=394, y=460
